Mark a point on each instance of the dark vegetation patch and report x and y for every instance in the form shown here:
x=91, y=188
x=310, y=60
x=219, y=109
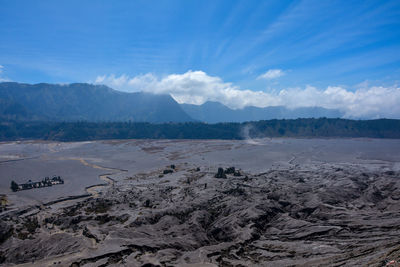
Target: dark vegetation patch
x=99, y=206
x=83, y=130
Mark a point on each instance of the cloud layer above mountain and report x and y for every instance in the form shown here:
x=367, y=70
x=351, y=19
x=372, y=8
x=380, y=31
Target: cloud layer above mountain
x=196, y=87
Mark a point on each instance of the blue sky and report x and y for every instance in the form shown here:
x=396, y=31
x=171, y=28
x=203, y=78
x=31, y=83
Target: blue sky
x=311, y=43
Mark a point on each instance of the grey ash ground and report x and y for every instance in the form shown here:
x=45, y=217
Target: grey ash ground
x=298, y=202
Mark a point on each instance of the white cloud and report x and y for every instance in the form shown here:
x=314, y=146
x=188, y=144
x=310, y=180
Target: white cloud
x=272, y=74
x=376, y=101
x=196, y=87
x=3, y=79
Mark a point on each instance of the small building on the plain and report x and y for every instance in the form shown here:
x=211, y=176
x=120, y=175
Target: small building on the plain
x=44, y=183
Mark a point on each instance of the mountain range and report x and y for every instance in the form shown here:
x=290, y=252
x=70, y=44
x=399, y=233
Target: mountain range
x=81, y=101
x=88, y=102
x=215, y=112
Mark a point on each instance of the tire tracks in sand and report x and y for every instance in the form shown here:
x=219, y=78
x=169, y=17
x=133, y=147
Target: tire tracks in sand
x=93, y=189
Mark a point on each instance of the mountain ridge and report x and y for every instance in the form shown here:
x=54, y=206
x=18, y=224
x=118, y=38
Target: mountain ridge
x=222, y=113
x=89, y=102
x=82, y=101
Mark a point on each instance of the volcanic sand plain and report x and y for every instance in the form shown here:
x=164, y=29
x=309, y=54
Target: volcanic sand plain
x=299, y=202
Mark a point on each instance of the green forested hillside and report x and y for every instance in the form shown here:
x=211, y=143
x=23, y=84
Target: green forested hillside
x=82, y=101
x=77, y=131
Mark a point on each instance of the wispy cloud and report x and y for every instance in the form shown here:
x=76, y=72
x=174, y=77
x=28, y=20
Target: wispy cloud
x=3, y=79
x=196, y=87
x=272, y=74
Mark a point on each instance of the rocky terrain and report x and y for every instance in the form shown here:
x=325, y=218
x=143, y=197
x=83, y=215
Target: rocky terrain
x=308, y=215
x=264, y=202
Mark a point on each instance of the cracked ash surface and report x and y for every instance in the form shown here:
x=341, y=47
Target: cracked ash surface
x=292, y=203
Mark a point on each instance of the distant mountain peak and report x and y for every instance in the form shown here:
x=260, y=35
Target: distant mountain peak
x=82, y=101
x=214, y=112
